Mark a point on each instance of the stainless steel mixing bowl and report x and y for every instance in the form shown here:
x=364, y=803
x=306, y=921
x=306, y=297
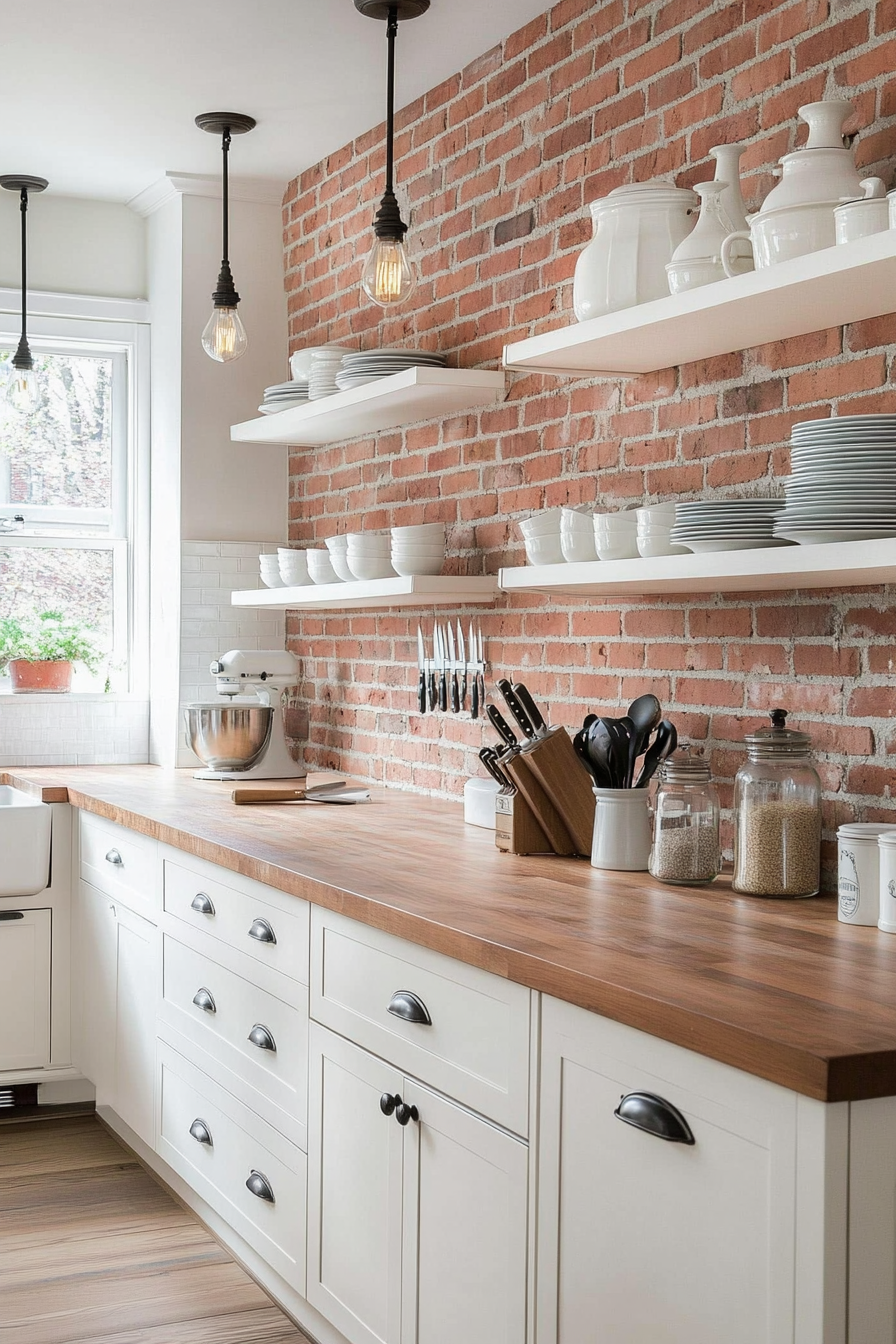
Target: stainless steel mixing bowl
x=229, y=737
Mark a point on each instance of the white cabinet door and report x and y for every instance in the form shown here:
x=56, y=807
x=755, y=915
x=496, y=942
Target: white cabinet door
x=465, y=1227
x=24, y=989
x=641, y=1238
x=354, y=1191
x=118, y=995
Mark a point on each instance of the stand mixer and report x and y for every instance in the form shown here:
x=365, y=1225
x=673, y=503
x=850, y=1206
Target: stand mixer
x=245, y=738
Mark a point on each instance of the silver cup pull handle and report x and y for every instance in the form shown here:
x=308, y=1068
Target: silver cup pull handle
x=260, y=1186
x=202, y=904
x=200, y=1131
x=115, y=858
x=260, y=1036
x=262, y=932
x=204, y=999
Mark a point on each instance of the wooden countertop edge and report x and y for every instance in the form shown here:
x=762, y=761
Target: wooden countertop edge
x=829, y=1079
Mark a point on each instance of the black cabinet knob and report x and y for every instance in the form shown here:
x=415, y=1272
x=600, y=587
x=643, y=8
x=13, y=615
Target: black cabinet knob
x=654, y=1115
x=404, y=1113
x=408, y=1006
x=388, y=1102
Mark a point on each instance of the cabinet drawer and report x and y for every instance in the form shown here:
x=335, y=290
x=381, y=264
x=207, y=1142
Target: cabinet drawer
x=238, y=1147
x=121, y=863
x=274, y=1065
x=475, y=1047
x=265, y=924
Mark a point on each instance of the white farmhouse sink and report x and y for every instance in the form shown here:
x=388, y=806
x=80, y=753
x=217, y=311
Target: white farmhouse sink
x=24, y=843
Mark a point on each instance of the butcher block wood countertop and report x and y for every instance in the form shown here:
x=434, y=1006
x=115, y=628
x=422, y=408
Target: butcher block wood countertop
x=779, y=989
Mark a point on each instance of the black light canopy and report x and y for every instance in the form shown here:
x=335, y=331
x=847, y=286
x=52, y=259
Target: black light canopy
x=388, y=277
x=224, y=337
x=23, y=390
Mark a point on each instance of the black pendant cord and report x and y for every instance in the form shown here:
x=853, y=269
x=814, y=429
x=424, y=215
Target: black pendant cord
x=388, y=222
x=225, y=296
x=22, y=358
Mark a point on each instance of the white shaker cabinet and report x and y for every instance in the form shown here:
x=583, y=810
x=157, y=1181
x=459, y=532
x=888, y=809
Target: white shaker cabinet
x=24, y=988
x=641, y=1237
x=119, y=991
x=416, y=1231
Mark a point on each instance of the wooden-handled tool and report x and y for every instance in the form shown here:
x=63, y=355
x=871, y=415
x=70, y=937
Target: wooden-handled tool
x=320, y=793
x=555, y=764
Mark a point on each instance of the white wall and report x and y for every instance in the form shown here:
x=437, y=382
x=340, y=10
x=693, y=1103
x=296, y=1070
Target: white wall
x=74, y=246
x=232, y=492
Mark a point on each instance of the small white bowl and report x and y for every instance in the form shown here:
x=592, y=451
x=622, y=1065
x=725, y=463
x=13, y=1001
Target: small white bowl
x=661, y=514
x=616, y=522
x=320, y=567
x=655, y=545
x=418, y=532
x=272, y=580
x=542, y=524
x=398, y=549
x=338, y=548
x=544, y=551
x=370, y=567
x=577, y=520
x=368, y=543
x=578, y=546
x=294, y=575
x=408, y=566
x=619, y=548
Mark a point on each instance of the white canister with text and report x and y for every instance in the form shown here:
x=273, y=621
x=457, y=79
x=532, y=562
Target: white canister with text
x=858, y=872
x=887, y=846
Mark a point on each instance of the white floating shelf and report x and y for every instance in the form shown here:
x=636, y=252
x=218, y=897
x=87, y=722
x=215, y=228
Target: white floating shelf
x=824, y=289
x=417, y=591
x=400, y=399
x=834, y=565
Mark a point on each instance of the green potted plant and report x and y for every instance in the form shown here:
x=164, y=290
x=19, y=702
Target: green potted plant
x=39, y=650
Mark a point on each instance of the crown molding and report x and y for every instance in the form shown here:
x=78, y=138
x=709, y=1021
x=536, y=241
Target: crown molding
x=257, y=190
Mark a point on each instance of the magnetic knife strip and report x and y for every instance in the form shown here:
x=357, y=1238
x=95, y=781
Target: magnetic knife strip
x=451, y=670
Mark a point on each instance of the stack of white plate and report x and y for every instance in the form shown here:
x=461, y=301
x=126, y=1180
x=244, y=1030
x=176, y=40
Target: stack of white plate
x=366, y=366
x=843, y=486
x=727, y=524
x=325, y=364
x=283, y=395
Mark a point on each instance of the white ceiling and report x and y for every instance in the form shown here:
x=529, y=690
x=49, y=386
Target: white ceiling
x=100, y=98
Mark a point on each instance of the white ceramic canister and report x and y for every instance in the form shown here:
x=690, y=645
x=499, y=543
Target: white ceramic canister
x=636, y=230
x=887, y=846
x=859, y=219
x=858, y=872
x=479, y=802
x=622, y=831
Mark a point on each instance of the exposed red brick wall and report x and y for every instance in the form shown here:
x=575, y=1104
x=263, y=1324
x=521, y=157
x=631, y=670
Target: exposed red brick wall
x=580, y=100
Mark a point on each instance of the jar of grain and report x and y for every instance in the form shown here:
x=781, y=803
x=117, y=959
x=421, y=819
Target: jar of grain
x=686, y=821
x=777, y=814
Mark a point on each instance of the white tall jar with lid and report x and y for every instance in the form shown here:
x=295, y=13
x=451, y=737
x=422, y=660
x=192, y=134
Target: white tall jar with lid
x=777, y=815
x=858, y=871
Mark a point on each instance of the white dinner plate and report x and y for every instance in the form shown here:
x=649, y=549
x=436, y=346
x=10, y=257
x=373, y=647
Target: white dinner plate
x=828, y=423
x=267, y=409
x=820, y=536
x=743, y=544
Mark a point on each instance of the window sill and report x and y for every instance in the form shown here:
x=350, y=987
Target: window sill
x=8, y=697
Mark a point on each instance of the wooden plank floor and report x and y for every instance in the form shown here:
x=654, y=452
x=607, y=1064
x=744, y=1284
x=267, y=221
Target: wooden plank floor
x=93, y=1251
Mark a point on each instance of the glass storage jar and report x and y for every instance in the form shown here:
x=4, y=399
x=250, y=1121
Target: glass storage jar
x=686, y=821
x=777, y=814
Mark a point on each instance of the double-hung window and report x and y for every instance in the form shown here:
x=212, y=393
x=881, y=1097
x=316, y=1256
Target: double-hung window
x=70, y=485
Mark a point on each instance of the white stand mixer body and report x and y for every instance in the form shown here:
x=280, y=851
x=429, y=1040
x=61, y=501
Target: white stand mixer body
x=263, y=674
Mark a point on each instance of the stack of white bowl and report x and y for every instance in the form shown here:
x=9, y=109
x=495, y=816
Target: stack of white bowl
x=541, y=533
x=655, y=524
x=319, y=566
x=325, y=364
x=293, y=566
x=616, y=535
x=338, y=548
x=368, y=554
x=270, y=570
x=577, y=533
x=419, y=549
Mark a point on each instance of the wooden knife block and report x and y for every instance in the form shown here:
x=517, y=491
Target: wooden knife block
x=552, y=760
x=516, y=830
x=545, y=815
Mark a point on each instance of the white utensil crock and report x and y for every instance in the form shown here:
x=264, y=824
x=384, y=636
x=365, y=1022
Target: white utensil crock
x=636, y=230
x=622, y=836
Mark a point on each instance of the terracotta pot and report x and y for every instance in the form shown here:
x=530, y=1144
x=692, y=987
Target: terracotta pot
x=41, y=675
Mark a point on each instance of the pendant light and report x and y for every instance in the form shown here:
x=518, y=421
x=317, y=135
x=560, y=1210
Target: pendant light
x=23, y=391
x=224, y=337
x=388, y=276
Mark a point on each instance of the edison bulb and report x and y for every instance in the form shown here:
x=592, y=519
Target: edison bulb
x=224, y=337
x=388, y=276
x=23, y=390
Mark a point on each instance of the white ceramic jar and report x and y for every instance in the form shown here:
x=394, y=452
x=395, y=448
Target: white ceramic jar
x=622, y=833
x=859, y=219
x=887, y=846
x=636, y=230
x=858, y=872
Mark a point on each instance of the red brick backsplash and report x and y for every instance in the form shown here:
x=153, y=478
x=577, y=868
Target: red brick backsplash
x=495, y=169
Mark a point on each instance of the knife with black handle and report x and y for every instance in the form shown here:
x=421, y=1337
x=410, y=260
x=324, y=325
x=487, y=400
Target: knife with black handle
x=532, y=712
x=443, y=682
x=421, y=664
x=501, y=726
x=490, y=760
x=516, y=708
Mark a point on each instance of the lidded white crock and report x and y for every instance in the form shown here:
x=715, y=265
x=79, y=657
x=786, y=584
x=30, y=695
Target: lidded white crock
x=824, y=171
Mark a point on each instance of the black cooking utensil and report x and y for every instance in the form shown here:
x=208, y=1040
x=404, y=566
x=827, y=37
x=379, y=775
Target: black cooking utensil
x=583, y=750
x=501, y=726
x=489, y=760
x=516, y=709
x=645, y=713
x=533, y=713
x=600, y=742
x=664, y=743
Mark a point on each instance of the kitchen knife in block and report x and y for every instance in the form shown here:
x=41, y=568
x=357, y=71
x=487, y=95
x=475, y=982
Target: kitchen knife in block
x=546, y=814
x=554, y=762
x=516, y=830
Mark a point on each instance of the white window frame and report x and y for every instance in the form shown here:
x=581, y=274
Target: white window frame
x=75, y=324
